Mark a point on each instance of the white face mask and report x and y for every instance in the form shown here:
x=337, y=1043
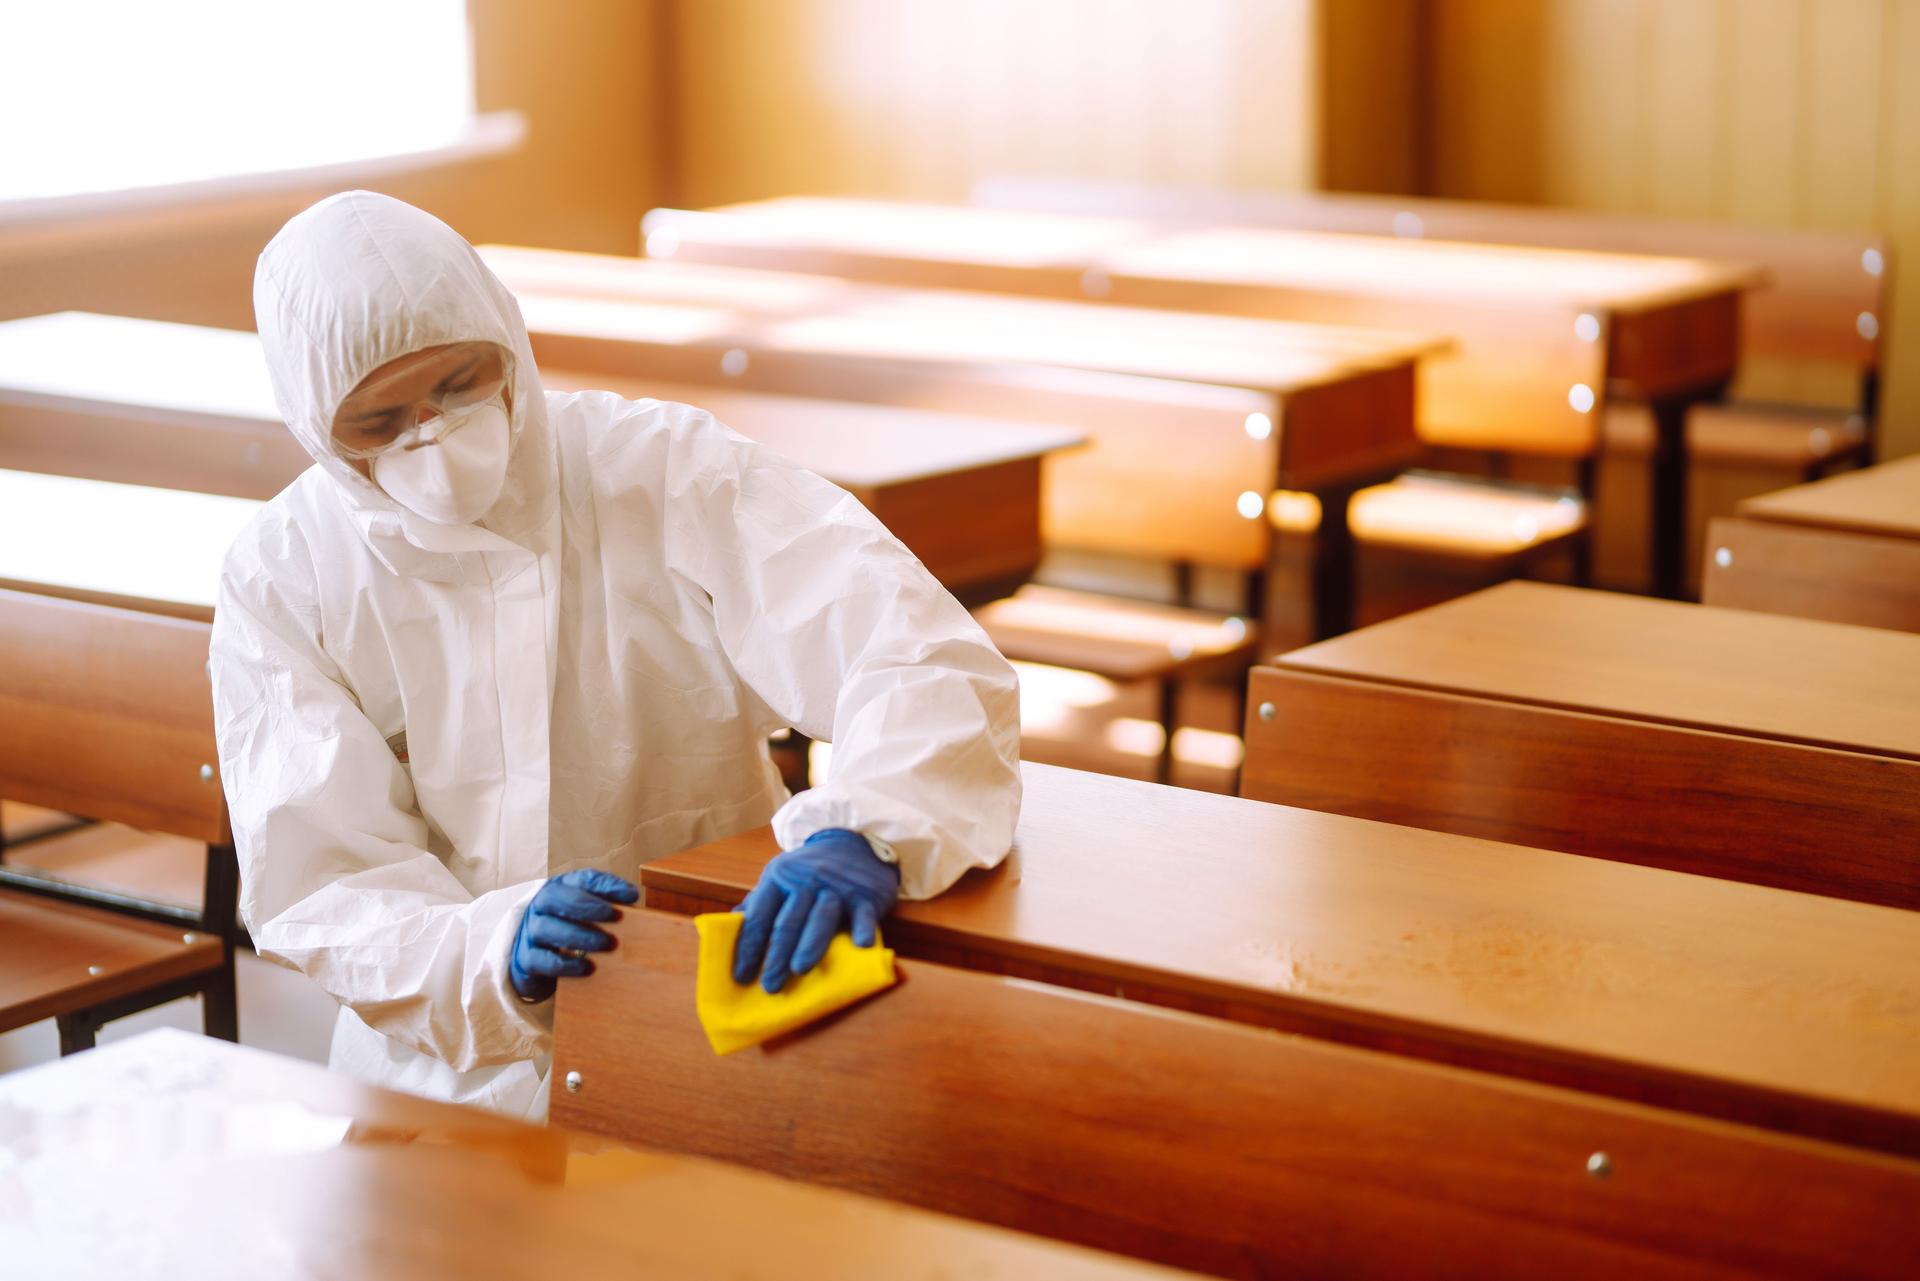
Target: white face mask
x=456, y=481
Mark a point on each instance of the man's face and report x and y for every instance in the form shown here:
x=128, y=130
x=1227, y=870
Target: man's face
x=409, y=390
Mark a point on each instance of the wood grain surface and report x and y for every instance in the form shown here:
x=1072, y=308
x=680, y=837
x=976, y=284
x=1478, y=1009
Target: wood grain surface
x=1787, y=1010
x=1795, y=680
x=1808, y=571
x=108, y=713
x=1209, y=1145
x=1746, y=809
x=154, y=1155
x=56, y=958
x=1881, y=500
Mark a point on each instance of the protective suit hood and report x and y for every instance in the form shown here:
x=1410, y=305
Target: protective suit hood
x=358, y=280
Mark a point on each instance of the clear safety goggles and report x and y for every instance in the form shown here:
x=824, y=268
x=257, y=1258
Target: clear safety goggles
x=406, y=415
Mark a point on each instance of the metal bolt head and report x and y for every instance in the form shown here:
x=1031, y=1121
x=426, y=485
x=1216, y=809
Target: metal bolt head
x=1868, y=325
x=95, y=971
x=1095, y=283
x=1723, y=557
x=1872, y=261
x=1586, y=327
x=1599, y=1165
x=733, y=363
x=206, y=773
x=1268, y=711
x=574, y=1082
x=189, y=937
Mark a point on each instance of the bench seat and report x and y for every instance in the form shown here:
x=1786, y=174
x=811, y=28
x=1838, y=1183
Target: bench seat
x=58, y=959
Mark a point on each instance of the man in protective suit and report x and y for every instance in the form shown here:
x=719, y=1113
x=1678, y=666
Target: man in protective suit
x=500, y=646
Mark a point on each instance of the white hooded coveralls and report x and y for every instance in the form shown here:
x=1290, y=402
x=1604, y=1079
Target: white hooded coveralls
x=419, y=724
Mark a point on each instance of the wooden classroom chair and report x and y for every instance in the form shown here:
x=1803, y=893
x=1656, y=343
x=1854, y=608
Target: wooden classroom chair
x=1810, y=341
x=107, y=713
x=1204, y=1144
x=1540, y=335
x=1845, y=549
x=1780, y=751
x=1727, y=1000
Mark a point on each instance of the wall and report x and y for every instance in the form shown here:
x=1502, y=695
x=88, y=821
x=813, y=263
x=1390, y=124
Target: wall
x=1800, y=113
x=586, y=172
x=923, y=97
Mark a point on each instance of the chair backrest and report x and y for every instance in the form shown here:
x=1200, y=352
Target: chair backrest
x=1826, y=301
x=108, y=714
x=1782, y=814
x=1202, y=1143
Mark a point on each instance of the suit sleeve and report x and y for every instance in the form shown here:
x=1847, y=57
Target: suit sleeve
x=841, y=631
x=335, y=876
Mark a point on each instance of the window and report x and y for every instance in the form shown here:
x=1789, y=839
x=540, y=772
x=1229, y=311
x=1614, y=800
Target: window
x=110, y=95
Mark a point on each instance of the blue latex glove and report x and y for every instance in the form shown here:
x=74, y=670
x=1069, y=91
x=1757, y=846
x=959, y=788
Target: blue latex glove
x=804, y=898
x=558, y=927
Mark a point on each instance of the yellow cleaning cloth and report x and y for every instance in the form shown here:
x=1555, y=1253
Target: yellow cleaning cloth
x=735, y=1017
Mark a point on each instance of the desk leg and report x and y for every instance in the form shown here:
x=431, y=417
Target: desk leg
x=1333, y=565
x=1667, y=478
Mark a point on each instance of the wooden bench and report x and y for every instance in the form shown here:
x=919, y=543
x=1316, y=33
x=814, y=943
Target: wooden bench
x=1193, y=423
x=107, y=713
x=1845, y=549
x=1789, y=1011
x=1205, y=1144
x=1809, y=341
x=1779, y=751
x=173, y=1149
x=1540, y=335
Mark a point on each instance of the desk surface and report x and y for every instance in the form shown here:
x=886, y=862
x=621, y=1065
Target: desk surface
x=218, y=373
x=1875, y=500
x=119, y=360
x=131, y=545
x=1418, y=940
x=853, y=445
x=1119, y=247
x=173, y=1155
x=672, y=303
x=1792, y=679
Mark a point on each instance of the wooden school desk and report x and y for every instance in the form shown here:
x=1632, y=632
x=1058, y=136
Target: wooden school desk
x=1782, y=751
x=1209, y=1144
x=186, y=407
x=155, y=550
x=172, y=1155
x=1541, y=335
x=1193, y=421
x=142, y=402
x=962, y=493
x=1785, y=1010
x=1846, y=549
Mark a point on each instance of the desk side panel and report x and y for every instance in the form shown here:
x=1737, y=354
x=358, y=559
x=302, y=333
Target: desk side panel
x=1743, y=809
x=1812, y=573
